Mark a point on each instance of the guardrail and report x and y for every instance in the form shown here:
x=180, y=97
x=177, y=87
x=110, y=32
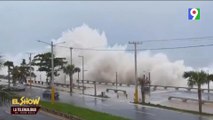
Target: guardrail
x=102, y=83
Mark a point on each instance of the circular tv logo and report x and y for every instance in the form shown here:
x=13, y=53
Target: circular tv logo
x=194, y=13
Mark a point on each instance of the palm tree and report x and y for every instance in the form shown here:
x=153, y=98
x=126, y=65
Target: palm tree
x=78, y=70
x=70, y=70
x=209, y=79
x=25, y=70
x=196, y=78
x=10, y=66
x=5, y=95
x=16, y=74
x=1, y=62
x=20, y=73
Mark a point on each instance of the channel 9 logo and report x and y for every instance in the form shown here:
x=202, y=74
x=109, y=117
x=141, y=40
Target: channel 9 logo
x=194, y=13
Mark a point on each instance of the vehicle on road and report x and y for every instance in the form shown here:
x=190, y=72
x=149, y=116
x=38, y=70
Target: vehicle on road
x=16, y=88
x=19, y=87
x=47, y=94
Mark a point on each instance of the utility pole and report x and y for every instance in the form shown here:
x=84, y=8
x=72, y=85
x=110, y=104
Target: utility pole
x=136, y=76
x=95, y=91
x=71, y=84
x=199, y=94
x=82, y=58
x=40, y=77
x=149, y=84
x=71, y=55
x=78, y=79
x=52, y=75
x=64, y=78
x=30, y=58
x=116, y=80
x=208, y=84
x=30, y=70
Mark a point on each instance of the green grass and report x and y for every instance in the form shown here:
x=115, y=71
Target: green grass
x=175, y=109
x=84, y=113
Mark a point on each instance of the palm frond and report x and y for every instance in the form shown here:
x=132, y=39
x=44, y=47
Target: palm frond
x=210, y=77
x=195, y=78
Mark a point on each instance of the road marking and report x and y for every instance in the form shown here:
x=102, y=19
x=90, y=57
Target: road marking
x=144, y=112
x=7, y=111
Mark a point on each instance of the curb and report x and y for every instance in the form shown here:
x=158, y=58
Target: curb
x=61, y=114
x=174, y=109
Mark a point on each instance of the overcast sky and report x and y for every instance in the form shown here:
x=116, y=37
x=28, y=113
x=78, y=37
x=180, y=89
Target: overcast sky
x=22, y=23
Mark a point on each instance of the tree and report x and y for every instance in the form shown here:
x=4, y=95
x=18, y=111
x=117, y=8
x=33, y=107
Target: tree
x=25, y=70
x=20, y=73
x=196, y=78
x=10, y=66
x=1, y=62
x=43, y=61
x=78, y=70
x=5, y=95
x=16, y=74
x=70, y=70
x=143, y=82
x=209, y=79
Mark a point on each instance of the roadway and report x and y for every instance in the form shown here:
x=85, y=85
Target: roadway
x=115, y=107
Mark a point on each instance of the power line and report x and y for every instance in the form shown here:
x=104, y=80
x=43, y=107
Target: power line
x=181, y=39
x=93, y=49
x=161, y=40
x=163, y=48
x=179, y=47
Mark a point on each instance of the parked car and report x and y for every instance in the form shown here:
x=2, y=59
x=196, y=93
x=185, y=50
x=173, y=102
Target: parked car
x=19, y=87
x=47, y=94
x=16, y=88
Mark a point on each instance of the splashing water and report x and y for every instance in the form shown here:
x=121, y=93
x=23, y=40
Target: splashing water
x=102, y=65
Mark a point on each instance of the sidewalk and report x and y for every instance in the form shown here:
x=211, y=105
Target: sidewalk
x=190, y=105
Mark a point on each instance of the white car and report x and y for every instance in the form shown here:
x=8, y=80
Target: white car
x=18, y=87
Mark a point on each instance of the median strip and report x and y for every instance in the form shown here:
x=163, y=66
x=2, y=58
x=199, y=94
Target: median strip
x=76, y=113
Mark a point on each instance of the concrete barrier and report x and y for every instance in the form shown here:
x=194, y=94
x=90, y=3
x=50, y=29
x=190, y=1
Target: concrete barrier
x=117, y=90
x=176, y=88
x=188, y=99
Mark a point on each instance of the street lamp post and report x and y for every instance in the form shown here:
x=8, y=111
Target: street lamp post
x=116, y=82
x=208, y=84
x=71, y=55
x=52, y=75
x=82, y=57
x=52, y=70
x=30, y=63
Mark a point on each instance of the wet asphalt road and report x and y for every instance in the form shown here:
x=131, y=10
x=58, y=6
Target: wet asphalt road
x=115, y=107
